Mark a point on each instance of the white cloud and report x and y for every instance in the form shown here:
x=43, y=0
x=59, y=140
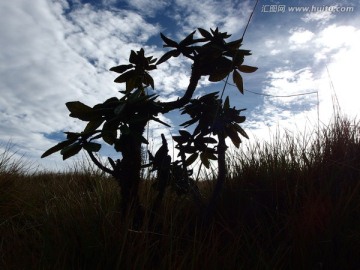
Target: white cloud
x=333, y=38
x=321, y=17
x=148, y=7
x=270, y=43
x=339, y=46
x=230, y=16
x=300, y=36
x=289, y=82
x=275, y=52
x=55, y=59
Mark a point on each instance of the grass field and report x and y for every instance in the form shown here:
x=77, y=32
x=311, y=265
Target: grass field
x=293, y=203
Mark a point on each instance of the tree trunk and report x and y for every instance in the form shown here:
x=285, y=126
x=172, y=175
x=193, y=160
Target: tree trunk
x=222, y=172
x=128, y=175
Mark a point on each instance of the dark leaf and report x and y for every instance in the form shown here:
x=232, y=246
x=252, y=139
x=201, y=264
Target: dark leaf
x=169, y=42
x=151, y=67
x=96, y=137
x=210, y=140
x=167, y=56
x=132, y=83
x=231, y=132
x=223, y=67
x=227, y=103
x=79, y=110
x=190, y=160
x=143, y=140
x=151, y=60
x=112, y=163
x=188, y=40
x=247, y=69
x=159, y=121
x=109, y=132
x=241, y=131
x=179, y=139
x=185, y=134
x=238, y=59
x=125, y=76
x=148, y=80
x=109, y=136
x=238, y=81
x=218, y=76
x=57, y=147
x=244, y=52
x=93, y=125
x=233, y=45
x=121, y=68
x=216, y=31
x=205, y=33
x=134, y=97
x=239, y=119
x=189, y=149
x=72, y=135
x=204, y=159
x=92, y=147
x=70, y=150
x=210, y=155
x=109, y=101
x=133, y=57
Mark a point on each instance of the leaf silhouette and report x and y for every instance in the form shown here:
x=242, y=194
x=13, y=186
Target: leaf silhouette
x=190, y=160
x=121, y=68
x=70, y=150
x=205, y=33
x=167, y=56
x=247, y=69
x=169, y=42
x=57, y=147
x=238, y=81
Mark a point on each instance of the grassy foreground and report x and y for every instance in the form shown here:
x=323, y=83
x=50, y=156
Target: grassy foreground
x=290, y=204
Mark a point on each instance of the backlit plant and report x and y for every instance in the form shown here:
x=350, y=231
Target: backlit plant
x=121, y=121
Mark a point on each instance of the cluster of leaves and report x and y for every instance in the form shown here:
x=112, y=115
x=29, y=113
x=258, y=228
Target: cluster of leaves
x=174, y=174
x=216, y=58
x=135, y=74
x=115, y=115
x=212, y=118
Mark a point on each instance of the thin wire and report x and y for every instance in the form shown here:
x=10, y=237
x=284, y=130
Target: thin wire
x=282, y=96
x=252, y=13
x=268, y=95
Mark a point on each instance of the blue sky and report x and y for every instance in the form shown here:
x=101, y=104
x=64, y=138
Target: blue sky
x=55, y=51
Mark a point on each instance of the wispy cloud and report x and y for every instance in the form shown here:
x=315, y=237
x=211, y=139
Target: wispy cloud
x=230, y=16
x=149, y=7
x=59, y=56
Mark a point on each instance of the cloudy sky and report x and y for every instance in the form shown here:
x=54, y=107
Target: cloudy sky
x=55, y=51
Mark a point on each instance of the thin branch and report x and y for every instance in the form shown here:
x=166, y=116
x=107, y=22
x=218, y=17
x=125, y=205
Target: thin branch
x=171, y=105
x=97, y=163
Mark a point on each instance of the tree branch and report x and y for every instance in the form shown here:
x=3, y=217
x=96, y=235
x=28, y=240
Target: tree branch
x=171, y=105
x=97, y=163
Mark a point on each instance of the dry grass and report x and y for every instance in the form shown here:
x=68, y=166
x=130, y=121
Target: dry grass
x=290, y=204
